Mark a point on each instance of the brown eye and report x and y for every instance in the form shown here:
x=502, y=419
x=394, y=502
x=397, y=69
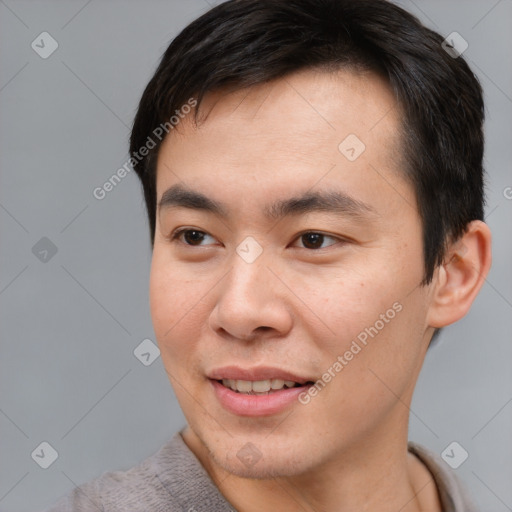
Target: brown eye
x=313, y=240
x=192, y=237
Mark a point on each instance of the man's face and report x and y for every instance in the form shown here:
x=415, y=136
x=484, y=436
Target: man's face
x=256, y=292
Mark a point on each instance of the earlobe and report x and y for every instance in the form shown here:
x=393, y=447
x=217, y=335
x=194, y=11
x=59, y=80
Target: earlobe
x=461, y=276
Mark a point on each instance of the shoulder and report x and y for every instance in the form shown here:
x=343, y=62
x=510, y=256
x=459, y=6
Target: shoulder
x=453, y=494
x=167, y=481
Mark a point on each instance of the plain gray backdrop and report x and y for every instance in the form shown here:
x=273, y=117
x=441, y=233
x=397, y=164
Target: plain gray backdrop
x=71, y=319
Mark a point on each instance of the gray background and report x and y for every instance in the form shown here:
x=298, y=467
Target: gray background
x=69, y=325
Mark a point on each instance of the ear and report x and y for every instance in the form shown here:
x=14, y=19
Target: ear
x=459, y=279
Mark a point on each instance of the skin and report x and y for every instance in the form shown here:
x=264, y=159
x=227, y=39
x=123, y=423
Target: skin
x=299, y=308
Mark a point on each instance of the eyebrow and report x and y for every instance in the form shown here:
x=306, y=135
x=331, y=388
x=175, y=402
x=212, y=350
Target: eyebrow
x=336, y=202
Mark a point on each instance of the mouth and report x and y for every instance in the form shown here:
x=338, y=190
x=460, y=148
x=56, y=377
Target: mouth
x=260, y=387
x=261, y=391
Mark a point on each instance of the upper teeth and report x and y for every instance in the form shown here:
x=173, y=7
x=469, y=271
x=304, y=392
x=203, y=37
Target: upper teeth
x=258, y=386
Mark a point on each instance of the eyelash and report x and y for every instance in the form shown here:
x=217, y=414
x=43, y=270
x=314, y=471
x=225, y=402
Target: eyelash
x=176, y=234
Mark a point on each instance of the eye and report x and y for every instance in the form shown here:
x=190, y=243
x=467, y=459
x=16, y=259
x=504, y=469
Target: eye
x=192, y=237
x=310, y=240
x=314, y=240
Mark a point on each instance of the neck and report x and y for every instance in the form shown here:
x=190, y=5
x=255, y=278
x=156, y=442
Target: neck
x=375, y=474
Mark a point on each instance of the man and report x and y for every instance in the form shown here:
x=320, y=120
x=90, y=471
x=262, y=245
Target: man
x=313, y=178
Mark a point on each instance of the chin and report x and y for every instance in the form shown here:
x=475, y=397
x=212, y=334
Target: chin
x=259, y=456
x=269, y=466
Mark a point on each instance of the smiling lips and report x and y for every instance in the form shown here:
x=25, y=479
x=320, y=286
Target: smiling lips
x=258, y=387
x=256, y=392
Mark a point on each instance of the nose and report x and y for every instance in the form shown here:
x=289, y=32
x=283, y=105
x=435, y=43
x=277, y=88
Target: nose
x=251, y=302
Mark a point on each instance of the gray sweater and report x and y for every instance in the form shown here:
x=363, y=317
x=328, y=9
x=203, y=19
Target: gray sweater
x=173, y=480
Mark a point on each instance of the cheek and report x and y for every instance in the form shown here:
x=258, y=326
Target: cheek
x=375, y=326
x=175, y=305
x=347, y=303
x=384, y=352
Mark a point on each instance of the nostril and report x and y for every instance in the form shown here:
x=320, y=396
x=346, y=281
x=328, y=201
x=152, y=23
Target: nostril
x=263, y=328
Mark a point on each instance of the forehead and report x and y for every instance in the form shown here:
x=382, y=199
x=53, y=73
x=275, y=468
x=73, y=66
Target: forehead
x=310, y=107
x=289, y=134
